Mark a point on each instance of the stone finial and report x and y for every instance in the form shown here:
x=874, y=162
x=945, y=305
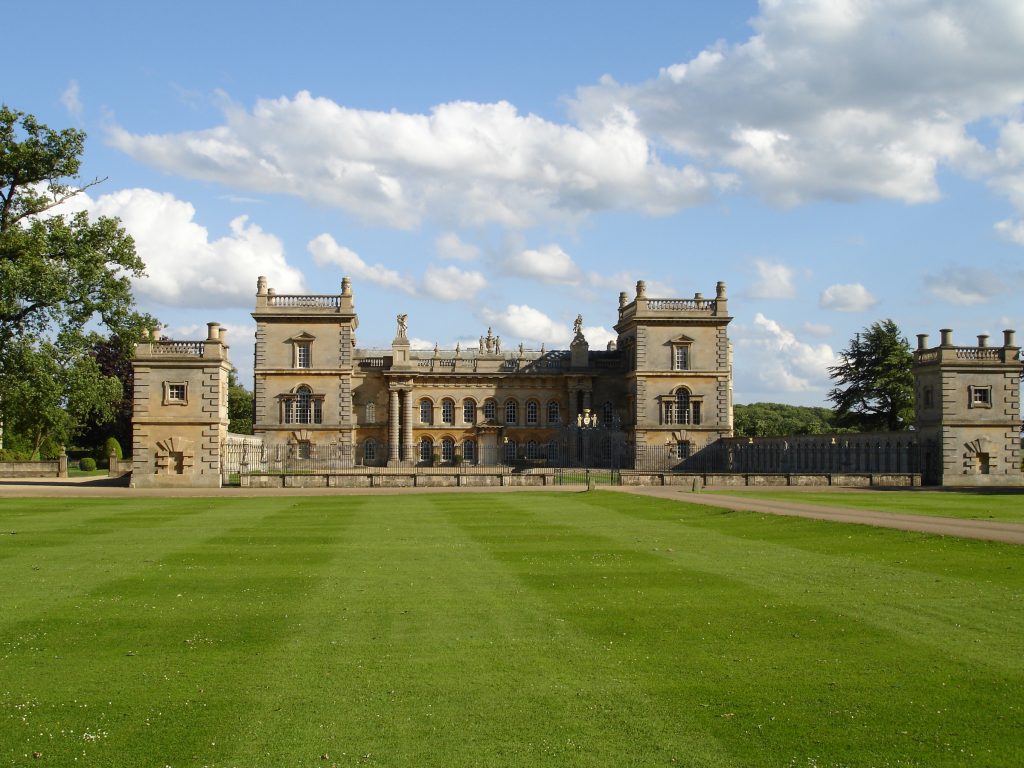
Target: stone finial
x=261, y=286
x=623, y=299
x=982, y=339
x=223, y=334
x=213, y=332
x=346, y=287
x=641, y=289
x=155, y=334
x=922, y=342
x=946, y=334
x=720, y=290
x=1008, y=338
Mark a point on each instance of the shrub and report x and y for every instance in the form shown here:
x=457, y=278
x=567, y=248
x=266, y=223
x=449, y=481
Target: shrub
x=88, y=464
x=111, y=446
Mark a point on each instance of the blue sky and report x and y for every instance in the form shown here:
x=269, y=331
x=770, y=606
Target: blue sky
x=836, y=162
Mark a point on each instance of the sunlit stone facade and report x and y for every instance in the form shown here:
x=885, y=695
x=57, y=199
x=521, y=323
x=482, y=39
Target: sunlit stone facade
x=667, y=380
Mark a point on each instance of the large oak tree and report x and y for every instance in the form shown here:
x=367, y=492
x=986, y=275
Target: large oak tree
x=63, y=278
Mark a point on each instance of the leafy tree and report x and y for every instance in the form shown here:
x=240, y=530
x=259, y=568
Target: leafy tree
x=780, y=420
x=875, y=386
x=239, y=407
x=60, y=274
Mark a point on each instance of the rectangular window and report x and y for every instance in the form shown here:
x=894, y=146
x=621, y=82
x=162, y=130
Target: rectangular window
x=176, y=392
x=371, y=413
x=370, y=451
x=303, y=450
x=469, y=451
x=303, y=354
x=681, y=358
x=448, y=411
x=983, y=463
x=981, y=397
x=490, y=409
x=469, y=412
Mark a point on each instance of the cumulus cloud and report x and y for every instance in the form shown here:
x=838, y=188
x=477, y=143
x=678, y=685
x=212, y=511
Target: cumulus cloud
x=774, y=281
x=452, y=284
x=969, y=285
x=451, y=246
x=325, y=250
x=779, y=359
x=839, y=100
x=477, y=163
x=184, y=267
x=521, y=321
x=71, y=99
x=548, y=263
x=849, y=297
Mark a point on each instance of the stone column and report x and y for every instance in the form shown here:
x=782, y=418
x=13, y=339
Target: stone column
x=393, y=433
x=409, y=451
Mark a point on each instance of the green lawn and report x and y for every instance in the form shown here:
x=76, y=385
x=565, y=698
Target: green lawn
x=973, y=504
x=590, y=629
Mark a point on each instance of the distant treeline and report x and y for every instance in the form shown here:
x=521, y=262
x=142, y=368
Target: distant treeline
x=779, y=420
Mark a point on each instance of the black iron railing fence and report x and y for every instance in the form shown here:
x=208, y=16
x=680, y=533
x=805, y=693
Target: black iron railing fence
x=606, y=449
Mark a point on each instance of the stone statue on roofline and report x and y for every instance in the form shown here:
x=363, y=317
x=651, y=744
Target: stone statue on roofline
x=577, y=325
x=403, y=326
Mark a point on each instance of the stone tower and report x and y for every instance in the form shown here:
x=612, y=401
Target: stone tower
x=303, y=368
x=967, y=406
x=180, y=412
x=679, y=368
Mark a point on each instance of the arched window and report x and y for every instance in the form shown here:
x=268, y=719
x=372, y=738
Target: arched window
x=531, y=449
x=682, y=408
x=371, y=413
x=447, y=450
x=469, y=451
x=426, y=450
x=532, y=412
x=469, y=411
x=303, y=405
x=369, y=451
x=490, y=409
x=426, y=411
x=511, y=412
x=447, y=411
x=554, y=416
x=510, y=451
x=682, y=413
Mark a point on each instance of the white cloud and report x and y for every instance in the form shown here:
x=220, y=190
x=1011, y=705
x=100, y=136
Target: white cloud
x=184, y=266
x=325, y=250
x=968, y=285
x=451, y=246
x=598, y=336
x=452, y=284
x=1012, y=230
x=520, y=321
x=850, y=297
x=549, y=263
x=774, y=281
x=475, y=163
x=778, y=359
x=839, y=100
x=71, y=99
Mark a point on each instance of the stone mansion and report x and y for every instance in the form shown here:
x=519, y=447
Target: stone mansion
x=663, y=387
x=667, y=379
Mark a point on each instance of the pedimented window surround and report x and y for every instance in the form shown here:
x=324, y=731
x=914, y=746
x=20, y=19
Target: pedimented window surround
x=302, y=349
